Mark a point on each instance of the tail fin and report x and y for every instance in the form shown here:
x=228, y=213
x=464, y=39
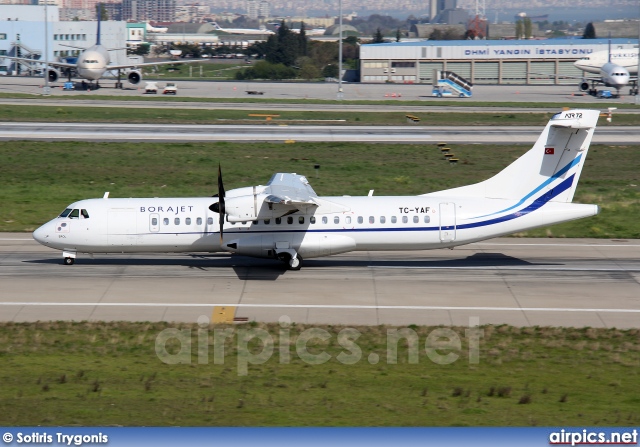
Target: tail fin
x=549, y=171
x=99, y=7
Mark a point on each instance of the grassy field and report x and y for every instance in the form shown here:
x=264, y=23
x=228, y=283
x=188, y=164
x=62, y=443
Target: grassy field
x=61, y=113
x=190, y=116
x=195, y=71
x=39, y=179
x=108, y=374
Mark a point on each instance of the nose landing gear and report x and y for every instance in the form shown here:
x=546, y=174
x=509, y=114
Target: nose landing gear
x=69, y=257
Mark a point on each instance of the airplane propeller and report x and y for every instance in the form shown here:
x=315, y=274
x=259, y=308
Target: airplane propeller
x=219, y=206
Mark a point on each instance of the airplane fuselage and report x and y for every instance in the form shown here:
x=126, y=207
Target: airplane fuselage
x=627, y=59
x=371, y=223
x=92, y=62
x=614, y=75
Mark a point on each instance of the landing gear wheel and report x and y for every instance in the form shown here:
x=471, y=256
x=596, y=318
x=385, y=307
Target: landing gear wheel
x=295, y=263
x=69, y=261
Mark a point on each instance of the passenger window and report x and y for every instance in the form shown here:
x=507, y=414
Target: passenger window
x=360, y=219
x=312, y=220
x=301, y=219
x=85, y=214
x=336, y=220
x=289, y=220
x=394, y=219
x=347, y=219
x=416, y=219
x=187, y=221
x=199, y=221
x=74, y=214
x=256, y=222
x=154, y=221
x=278, y=220
x=267, y=221
x=176, y=221
x=372, y=220
x=66, y=212
x=209, y=220
x=427, y=219
x=324, y=219
x=383, y=219
x=405, y=219
x=165, y=221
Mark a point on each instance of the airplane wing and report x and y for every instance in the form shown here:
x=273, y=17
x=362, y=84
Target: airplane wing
x=150, y=64
x=594, y=78
x=290, y=189
x=38, y=61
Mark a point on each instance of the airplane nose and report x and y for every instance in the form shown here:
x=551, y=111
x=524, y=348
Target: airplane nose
x=41, y=234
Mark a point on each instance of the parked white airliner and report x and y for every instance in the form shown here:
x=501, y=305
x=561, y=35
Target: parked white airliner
x=615, y=68
x=92, y=63
x=242, y=31
x=287, y=220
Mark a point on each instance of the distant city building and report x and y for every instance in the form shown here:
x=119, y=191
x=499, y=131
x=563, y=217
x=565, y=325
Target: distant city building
x=264, y=9
x=252, y=9
x=113, y=10
x=191, y=13
x=145, y=10
x=258, y=9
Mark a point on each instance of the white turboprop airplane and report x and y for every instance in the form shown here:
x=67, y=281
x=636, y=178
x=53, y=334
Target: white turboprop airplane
x=285, y=219
x=241, y=30
x=614, y=69
x=93, y=63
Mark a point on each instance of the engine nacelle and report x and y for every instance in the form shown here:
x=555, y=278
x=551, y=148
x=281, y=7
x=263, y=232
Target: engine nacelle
x=583, y=86
x=134, y=77
x=245, y=208
x=53, y=74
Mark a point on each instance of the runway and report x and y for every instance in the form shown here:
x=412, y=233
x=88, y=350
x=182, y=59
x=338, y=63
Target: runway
x=523, y=282
x=626, y=135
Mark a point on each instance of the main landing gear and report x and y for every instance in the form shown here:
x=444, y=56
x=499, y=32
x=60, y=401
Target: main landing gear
x=69, y=257
x=291, y=258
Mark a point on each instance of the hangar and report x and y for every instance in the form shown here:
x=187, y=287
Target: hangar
x=481, y=61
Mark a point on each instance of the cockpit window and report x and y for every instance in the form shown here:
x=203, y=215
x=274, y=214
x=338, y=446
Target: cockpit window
x=74, y=214
x=85, y=214
x=66, y=212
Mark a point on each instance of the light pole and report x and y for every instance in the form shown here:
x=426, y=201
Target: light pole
x=340, y=93
x=47, y=89
x=638, y=73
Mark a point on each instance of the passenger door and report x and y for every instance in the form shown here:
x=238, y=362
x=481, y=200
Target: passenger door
x=447, y=222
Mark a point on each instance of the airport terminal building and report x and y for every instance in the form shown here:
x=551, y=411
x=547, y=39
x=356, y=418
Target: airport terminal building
x=481, y=61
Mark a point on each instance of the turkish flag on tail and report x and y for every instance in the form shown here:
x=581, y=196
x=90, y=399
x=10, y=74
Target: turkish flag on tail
x=548, y=151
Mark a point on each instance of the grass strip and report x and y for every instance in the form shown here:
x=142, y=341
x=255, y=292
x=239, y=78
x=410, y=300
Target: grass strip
x=62, y=114
x=64, y=373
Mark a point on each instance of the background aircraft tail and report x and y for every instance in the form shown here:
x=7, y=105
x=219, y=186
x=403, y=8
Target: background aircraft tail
x=550, y=170
x=99, y=9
